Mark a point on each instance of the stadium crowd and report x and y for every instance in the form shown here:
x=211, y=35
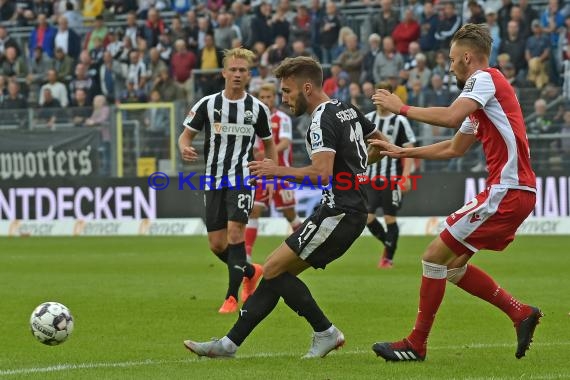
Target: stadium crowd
x=81, y=57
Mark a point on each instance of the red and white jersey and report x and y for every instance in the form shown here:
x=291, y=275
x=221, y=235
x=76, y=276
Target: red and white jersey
x=499, y=125
x=281, y=128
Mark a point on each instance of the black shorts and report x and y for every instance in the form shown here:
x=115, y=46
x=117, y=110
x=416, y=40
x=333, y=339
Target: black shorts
x=225, y=205
x=326, y=235
x=384, y=197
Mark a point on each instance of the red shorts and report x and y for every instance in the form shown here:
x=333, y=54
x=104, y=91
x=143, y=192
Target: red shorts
x=489, y=221
x=282, y=198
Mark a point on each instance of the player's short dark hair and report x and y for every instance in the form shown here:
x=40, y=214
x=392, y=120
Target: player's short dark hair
x=476, y=36
x=384, y=85
x=302, y=68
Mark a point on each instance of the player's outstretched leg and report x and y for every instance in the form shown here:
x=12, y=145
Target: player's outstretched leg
x=212, y=349
x=414, y=346
x=478, y=283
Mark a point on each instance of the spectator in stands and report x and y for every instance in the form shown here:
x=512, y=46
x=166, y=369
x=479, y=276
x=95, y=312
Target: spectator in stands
x=82, y=80
x=491, y=21
x=6, y=41
x=515, y=47
x=101, y=113
x=165, y=85
x=565, y=140
x=265, y=76
x=429, y=25
x=99, y=31
x=398, y=88
x=67, y=39
x=63, y=65
x=351, y=59
x=8, y=10
x=476, y=14
x=224, y=33
x=80, y=109
x=280, y=25
x=330, y=84
x=299, y=49
x=155, y=64
x=388, y=62
x=410, y=59
x=372, y=51
x=115, y=45
x=156, y=129
x=540, y=148
x=563, y=50
x=165, y=47
x=14, y=102
x=56, y=89
x=92, y=8
x=384, y=23
x=48, y=112
x=510, y=73
x=344, y=32
x=552, y=20
x=136, y=70
x=131, y=94
x=132, y=30
x=537, y=45
x=204, y=27
x=528, y=11
x=177, y=30
x=504, y=16
x=261, y=25
x=38, y=67
x=12, y=65
x=301, y=26
x=342, y=92
x=153, y=27
x=537, y=73
x=110, y=77
x=421, y=72
x=181, y=65
x=441, y=68
x=329, y=29
x=209, y=58
x=406, y=31
x=192, y=29
x=73, y=16
x=277, y=52
x=42, y=36
x=447, y=26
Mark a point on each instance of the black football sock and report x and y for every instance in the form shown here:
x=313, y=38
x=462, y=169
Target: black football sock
x=376, y=229
x=391, y=239
x=256, y=308
x=298, y=297
x=223, y=256
x=237, y=268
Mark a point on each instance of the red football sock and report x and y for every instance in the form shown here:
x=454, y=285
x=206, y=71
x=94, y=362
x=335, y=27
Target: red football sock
x=431, y=295
x=250, y=236
x=480, y=284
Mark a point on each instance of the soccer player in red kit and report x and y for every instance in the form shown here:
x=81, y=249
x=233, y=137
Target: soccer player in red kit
x=486, y=110
x=284, y=199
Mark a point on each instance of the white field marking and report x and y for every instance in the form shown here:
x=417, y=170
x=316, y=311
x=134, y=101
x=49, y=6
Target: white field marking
x=150, y=362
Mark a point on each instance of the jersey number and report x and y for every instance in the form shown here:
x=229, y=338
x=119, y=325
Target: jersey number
x=307, y=232
x=244, y=202
x=356, y=136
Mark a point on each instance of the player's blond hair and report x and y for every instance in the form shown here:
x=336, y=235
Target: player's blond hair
x=267, y=86
x=305, y=69
x=475, y=36
x=239, y=53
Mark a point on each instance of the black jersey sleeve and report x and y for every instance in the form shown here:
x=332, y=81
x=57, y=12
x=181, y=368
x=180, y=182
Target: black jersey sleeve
x=323, y=132
x=367, y=125
x=263, y=123
x=197, y=116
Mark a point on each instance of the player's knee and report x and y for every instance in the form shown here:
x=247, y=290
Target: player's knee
x=236, y=234
x=217, y=247
x=454, y=275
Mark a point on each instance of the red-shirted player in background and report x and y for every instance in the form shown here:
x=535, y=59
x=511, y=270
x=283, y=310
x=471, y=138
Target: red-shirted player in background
x=284, y=200
x=486, y=110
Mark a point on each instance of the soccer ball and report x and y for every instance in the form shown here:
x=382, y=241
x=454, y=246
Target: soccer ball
x=51, y=323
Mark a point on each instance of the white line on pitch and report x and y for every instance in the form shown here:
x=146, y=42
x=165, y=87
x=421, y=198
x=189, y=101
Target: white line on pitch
x=127, y=364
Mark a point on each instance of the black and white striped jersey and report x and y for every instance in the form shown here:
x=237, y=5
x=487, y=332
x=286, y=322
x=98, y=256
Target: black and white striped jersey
x=397, y=129
x=230, y=127
x=343, y=129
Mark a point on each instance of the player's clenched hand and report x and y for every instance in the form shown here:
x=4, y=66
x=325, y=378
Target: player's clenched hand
x=189, y=153
x=387, y=100
x=266, y=168
x=388, y=149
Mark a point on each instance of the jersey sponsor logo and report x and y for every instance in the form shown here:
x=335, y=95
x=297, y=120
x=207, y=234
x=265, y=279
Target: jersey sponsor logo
x=248, y=117
x=316, y=139
x=233, y=129
x=475, y=218
x=469, y=85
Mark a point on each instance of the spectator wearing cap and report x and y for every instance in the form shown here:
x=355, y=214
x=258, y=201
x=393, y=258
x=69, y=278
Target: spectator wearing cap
x=491, y=22
x=538, y=45
x=405, y=32
x=42, y=36
x=388, y=62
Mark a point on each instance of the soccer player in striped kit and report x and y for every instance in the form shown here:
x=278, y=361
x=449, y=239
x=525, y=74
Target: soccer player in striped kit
x=487, y=110
x=231, y=120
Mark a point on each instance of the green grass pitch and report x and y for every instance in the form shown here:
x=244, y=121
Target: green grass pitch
x=135, y=300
